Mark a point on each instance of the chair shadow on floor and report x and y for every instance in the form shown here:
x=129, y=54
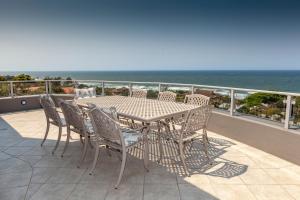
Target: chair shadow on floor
x=196, y=159
x=13, y=139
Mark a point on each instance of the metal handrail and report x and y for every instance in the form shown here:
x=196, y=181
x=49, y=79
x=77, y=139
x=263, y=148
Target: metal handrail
x=231, y=90
x=165, y=83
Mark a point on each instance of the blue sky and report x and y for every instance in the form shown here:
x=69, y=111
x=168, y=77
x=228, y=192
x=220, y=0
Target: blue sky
x=149, y=35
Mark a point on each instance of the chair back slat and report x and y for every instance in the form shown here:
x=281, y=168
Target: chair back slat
x=137, y=93
x=197, y=99
x=50, y=109
x=197, y=119
x=73, y=115
x=104, y=126
x=167, y=96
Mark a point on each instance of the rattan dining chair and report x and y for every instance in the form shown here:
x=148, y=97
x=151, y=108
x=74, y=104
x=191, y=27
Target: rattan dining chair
x=189, y=131
x=78, y=123
x=109, y=132
x=167, y=96
x=197, y=99
x=138, y=93
x=52, y=117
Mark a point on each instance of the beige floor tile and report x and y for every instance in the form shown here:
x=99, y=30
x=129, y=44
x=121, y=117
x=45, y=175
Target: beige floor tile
x=32, y=189
x=42, y=174
x=239, y=171
x=223, y=180
x=17, y=193
x=32, y=160
x=52, y=161
x=53, y=192
x=193, y=192
x=233, y=192
x=125, y=192
x=14, y=165
x=17, y=150
x=293, y=190
x=163, y=192
x=14, y=179
x=162, y=178
x=103, y=173
x=195, y=179
x=4, y=156
x=244, y=160
x=284, y=176
x=271, y=161
x=257, y=176
x=89, y=191
x=66, y=175
x=269, y=192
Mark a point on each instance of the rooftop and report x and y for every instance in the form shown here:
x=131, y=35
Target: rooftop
x=238, y=171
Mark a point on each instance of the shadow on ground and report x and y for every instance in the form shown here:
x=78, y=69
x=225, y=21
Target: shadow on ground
x=28, y=171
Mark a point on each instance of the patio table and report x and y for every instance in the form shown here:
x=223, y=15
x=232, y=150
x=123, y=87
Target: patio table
x=140, y=109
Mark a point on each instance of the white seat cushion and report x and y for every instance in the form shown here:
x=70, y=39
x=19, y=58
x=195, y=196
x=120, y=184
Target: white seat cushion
x=131, y=136
x=85, y=93
x=89, y=126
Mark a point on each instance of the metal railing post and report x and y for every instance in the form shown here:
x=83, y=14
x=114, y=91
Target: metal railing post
x=192, y=89
x=232, y=102
x=288, y=111
x=130, y=89
x=11, y=89
x=50, y=87
x=47, y=89
x=159, y=87
x=102, y=92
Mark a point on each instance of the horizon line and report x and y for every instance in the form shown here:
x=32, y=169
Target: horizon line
x=132, y=70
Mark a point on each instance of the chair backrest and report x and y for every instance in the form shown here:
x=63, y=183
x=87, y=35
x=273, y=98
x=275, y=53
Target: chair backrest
x=197, y=99
x=73, y=115
x=138, y=93
x=110, y=111
x=105, y=127
x=50, y=109
x=85, y=93
x=167, y=96
x=197, y=119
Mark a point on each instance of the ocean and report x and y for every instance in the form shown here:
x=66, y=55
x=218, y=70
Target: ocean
x=288, y=81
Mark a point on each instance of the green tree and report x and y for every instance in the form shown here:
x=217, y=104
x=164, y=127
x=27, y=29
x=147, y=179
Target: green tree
x=2, y=78
x=22, y=77
x=257, y=99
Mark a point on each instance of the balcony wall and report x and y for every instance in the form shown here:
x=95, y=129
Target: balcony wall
x=31, y=102
x=271, y=139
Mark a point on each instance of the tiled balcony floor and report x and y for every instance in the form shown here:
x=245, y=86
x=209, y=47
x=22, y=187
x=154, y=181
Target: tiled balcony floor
x=28, y=171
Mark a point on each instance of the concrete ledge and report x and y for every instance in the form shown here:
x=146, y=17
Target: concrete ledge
x=26, y=102
x=277, y=141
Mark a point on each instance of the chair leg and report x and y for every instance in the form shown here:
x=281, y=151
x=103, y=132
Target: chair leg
x=81, y=140
x=67, y=141
x=46, y=133
x=97, y=150
x=107, y=150
x=90, y=143
x=146, y=148
x=205, y=134
x=160, y=146
x=58, y=140
x=181, y=154
x=84, y=150
x=122, y=168
x=205, y=143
